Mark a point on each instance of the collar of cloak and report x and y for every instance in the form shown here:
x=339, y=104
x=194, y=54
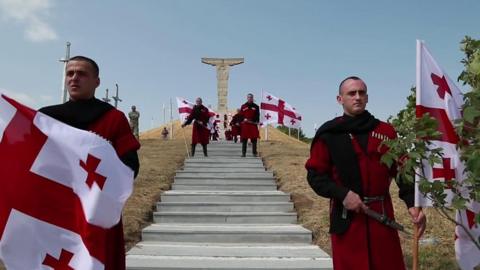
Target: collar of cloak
x=336, y=135
x=80, y=114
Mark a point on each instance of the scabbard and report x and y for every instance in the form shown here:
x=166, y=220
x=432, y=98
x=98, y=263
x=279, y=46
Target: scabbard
x=385, y=220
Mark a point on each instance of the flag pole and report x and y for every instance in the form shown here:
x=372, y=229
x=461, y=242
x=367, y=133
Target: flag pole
x=185, y=140
x=415, y=247
x=415, y=226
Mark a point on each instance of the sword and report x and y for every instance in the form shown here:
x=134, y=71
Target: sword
x=386, y=221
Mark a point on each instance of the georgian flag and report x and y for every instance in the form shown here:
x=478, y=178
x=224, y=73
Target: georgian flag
x=61, y=189
x=443, y=100
x=277, y=112
x=185, y=108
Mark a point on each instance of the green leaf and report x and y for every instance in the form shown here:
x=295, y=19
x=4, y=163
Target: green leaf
x=470, y=113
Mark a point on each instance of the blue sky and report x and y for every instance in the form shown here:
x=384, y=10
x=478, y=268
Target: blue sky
x=298, y=50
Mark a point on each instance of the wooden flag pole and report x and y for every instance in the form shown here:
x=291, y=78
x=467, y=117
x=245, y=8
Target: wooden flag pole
x=415, y=247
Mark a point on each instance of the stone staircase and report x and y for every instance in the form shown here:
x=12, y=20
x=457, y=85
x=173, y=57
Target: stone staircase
x=225, y=212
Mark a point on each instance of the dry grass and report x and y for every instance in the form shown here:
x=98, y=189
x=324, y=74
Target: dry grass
x=287, y=156
x=159, y=159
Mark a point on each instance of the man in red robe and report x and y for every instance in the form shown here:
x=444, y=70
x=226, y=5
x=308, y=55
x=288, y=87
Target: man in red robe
x=235, y=125
x=345, y=166
x=85, y=112
x=250, y=113
x=200, y=133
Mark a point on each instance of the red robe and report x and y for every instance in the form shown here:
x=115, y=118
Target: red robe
x=235, y=124
x=249, y=129
x=367, y=244
x=200, y=133
x=114, y=127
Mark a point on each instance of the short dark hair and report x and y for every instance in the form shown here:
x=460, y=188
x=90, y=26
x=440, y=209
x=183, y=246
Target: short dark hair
x=96, y=70
x=249, y=94
x=355, y=78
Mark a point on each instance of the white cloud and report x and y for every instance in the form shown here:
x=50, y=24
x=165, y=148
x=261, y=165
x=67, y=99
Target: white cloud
x=20, y=97
x=32, y=14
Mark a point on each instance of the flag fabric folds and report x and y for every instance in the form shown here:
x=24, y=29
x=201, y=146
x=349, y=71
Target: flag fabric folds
x=276, y=111
x=437, y=95
x=62, y=188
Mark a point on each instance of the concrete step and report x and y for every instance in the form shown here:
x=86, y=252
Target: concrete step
x=229, y=160
x=227, y=186
x=223, y=170
x=224, y=196
x=219, y=178
x=227, y=250
x=264, y=174
x=195, y=181
x=226, y=217
x=225, y=207
x=144, y=262
x=227, y=233
x=224, y=165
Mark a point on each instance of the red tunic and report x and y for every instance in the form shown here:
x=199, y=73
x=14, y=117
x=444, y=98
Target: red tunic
x=367, y=244
x=249, y=129
x=235, y=124
x=114, y=127
x=200, y=133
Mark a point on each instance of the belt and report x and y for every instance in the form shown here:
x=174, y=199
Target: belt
x=372, y=199
x=368, y=200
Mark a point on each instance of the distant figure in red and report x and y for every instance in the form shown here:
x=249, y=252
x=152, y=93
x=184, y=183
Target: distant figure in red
x=228, y=135
x=250, y=113
x=235, y=125
x=200, y=133
x=345, y=166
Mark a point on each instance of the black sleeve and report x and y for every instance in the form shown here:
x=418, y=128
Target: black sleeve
x=257, y=115
x=131, y=160
x=324, y=186
x=406, y=191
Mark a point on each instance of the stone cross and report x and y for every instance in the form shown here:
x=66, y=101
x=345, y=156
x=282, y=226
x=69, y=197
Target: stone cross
x=106, y=99
x=223, y=65
x=116, y=98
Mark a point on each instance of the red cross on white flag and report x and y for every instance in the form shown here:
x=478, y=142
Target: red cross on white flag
x=277, y=112
x=438, y=95
x=61, y=189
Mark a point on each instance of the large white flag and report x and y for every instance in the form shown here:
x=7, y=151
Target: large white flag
x=61, y=189
x=438, y=95
x=277, y=112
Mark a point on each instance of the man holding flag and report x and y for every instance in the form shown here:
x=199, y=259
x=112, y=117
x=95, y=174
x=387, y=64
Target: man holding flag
x=345, y=166
x=69, y=186
x=201, y=131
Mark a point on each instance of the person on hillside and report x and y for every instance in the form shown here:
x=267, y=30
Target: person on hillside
x=235, y=125
x=250, y=115
x=85, y=112
x=345, y=166
x=134, y=115
x=200, y=133
x=165, y=133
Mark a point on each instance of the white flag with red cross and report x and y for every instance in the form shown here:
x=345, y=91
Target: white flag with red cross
x=61, y=189
x=438, y=96
x=277, y=112
x=185, y=108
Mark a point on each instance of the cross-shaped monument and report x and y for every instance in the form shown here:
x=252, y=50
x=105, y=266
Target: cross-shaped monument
x=223, y=65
